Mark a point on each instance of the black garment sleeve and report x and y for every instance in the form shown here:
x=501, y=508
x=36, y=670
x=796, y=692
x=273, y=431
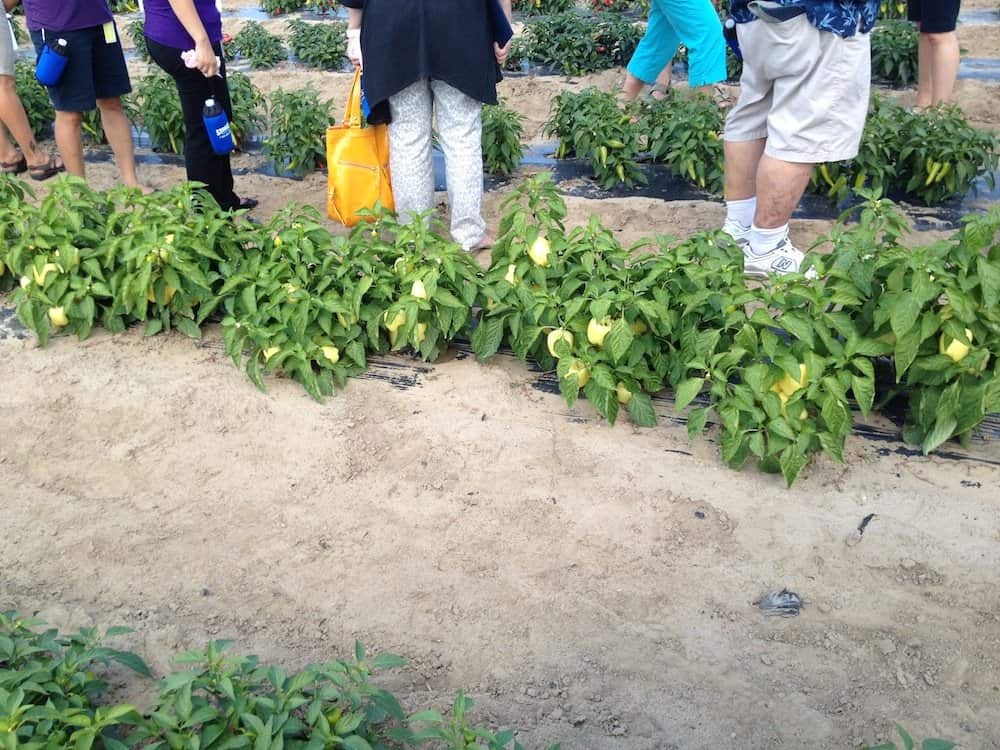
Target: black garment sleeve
x=353, y=3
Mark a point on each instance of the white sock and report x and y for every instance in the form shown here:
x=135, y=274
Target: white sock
x=763, y=241
x=741, y=212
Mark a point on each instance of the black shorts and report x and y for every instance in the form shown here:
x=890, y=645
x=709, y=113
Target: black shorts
x=96, y=69
x=934, y=16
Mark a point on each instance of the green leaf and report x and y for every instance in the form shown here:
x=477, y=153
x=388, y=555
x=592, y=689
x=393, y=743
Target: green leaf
x=569, y=387
x=619, y=340
x=249, y=299
x=792, y=462
x=604, y=400
x=686, y=392
x=640, y=408
x=348, y=723
x=130, y=660
x=487, y=337
x=989, y=279
x=864, y=392
x=904, y=314
x=833, y=445
x=356, y=742
x=907, y=739
x=696, y=419
x=797, y=325
x=781, y=428
x=836, y=416
x=936, y=744
x=603, y=375
x=447, y=299
x=944, y=428
x=429, y=716
x=747, y=339
x=907, y=346
x=735, y=449
x=84, y=739
x=188, y=327
x=388, y=661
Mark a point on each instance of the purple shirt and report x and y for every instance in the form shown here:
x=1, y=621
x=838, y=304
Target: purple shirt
x=162, y=25
x=66, y=15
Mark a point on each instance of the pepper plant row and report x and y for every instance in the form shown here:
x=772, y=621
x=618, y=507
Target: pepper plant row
x=927, y=157
x=54, y=694
x=778, y=367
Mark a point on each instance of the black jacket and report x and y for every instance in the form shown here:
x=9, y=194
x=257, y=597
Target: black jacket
x=404, y=41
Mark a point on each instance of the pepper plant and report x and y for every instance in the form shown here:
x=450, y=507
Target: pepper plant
x=297, y=128
x=503, y=129
x=320, y=45
x=259, y=46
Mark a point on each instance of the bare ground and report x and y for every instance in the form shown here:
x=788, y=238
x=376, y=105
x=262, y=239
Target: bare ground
x=587, y=584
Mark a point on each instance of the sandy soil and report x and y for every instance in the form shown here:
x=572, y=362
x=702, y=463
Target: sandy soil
x=587, y=584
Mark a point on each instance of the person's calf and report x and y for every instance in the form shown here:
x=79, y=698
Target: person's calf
x=742, y=160
x=119, y=134
x=780, y=185
x=69, y=141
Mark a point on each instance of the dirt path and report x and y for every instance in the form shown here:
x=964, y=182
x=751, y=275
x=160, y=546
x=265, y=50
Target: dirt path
x=588, y=584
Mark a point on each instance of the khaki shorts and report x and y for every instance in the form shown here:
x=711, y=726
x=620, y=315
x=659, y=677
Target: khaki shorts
x=6, y=48
x=806, y=91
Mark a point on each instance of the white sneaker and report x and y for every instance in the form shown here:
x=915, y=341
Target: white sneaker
x=739, y=233
x=783, y=259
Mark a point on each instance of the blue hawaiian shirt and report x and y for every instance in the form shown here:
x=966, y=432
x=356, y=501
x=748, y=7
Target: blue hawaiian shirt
x=840, y=17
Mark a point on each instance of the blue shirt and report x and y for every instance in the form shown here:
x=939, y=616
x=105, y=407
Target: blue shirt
x=841, y=17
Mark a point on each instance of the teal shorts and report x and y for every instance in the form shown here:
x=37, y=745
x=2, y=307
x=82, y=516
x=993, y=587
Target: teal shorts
x=693, y=23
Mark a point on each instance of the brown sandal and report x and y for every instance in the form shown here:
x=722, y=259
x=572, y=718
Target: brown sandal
x=44, y=171
x=14, y=167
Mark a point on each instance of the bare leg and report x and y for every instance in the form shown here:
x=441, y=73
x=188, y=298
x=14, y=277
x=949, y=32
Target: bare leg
x=780, y=185
x=8, y=154
x=742, y=158
x=925, y=85
x=12, y=115
x=69, y=140
x=632, y=88
x=119, y=134
x=944, y=54
x=663, y=81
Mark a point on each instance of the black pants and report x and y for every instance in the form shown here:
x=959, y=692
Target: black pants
x=202, y=163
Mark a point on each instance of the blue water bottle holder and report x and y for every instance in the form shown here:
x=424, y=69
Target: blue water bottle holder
x=220, y=133
x=52, y=61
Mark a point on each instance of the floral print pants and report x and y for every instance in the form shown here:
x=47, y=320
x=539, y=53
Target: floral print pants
x=459, y=125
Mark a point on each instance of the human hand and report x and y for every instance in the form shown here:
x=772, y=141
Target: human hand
x=501, y=52
x=354, y=48
x=205, y=59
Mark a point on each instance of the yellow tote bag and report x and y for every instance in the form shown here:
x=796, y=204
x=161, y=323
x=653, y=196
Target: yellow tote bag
x=358, y=162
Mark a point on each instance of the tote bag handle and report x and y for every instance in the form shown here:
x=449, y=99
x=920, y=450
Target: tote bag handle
x=352, y=114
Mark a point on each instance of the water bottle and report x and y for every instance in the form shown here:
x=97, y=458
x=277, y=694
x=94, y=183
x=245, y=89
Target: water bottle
x=217, y=125
x=52, y=62
x=366, y=109
x=729, y=32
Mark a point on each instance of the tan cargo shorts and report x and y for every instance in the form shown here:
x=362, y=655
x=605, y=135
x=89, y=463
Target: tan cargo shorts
x=806, y=91
x=6, y=47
